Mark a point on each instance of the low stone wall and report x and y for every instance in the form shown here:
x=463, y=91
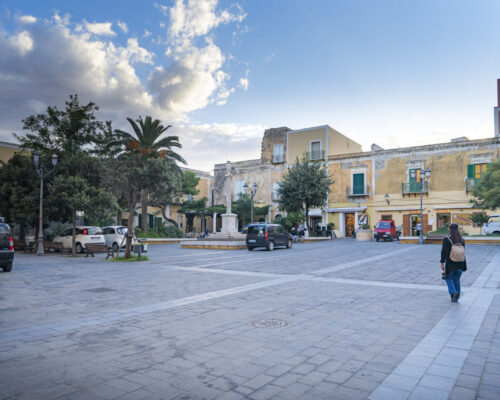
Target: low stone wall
x=166, y=240
x=222, y=244
x=438, y=239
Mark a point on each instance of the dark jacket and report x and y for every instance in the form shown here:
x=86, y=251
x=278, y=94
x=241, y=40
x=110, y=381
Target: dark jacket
x=451, y=266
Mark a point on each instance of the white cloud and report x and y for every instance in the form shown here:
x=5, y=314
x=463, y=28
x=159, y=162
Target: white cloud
x=243, y=83
x=46, y=60
x=22, y=42
x=123, y=26
x=27, y=19
x=146, y=33
x=100, y=28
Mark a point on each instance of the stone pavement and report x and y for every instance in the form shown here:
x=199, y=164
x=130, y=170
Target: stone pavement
x=334, y=320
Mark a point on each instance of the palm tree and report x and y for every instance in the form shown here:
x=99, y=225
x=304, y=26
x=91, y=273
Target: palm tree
x=148, y=142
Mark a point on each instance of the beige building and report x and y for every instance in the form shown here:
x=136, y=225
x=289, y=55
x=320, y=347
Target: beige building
x=7, y=150
x=368, y=186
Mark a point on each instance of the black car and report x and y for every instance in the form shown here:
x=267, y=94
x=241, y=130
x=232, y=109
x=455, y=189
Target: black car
x=6, y=247
x=268, y=236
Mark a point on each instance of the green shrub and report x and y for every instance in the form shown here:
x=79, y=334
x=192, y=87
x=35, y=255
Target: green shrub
x=172, y=231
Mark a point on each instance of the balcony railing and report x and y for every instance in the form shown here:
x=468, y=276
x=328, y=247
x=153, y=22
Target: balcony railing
x=316, y=155
x=414, y=187
x=357, y=191
x=278, y=158
x=470, y=183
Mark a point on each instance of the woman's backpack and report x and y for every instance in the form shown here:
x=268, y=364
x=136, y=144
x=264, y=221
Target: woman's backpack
x=457, y=253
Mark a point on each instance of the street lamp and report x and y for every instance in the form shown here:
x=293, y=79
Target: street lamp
x=252, y=195
x=424, y=178
x=42, y=172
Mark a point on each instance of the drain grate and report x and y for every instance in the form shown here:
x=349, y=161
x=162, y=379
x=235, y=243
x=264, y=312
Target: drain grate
x=99, y=290
x=270, y=323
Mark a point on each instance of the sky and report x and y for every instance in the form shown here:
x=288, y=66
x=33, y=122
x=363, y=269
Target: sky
x=392, y=72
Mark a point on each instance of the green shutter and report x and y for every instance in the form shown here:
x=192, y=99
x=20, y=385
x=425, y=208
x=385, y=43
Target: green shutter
x=470, y=171
x=151, y=221
x=140, y=220
x=358, y=184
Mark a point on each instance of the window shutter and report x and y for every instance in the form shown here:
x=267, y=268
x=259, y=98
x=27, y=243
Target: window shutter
x=358, y=183
x=470, y=171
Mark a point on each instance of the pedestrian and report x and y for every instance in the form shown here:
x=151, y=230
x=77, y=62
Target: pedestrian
x=453, y=261
x=293, y=232
x=301, y=234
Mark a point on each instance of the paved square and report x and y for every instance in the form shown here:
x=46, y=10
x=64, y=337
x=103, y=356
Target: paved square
x=334, y=320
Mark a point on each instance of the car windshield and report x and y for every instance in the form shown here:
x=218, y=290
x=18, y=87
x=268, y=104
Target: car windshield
x=122, y=231
x=256, y=229
x=493, y=218
x=383, y=225
x=94, y=230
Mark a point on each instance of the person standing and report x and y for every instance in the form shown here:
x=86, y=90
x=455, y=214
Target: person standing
x=453, y=261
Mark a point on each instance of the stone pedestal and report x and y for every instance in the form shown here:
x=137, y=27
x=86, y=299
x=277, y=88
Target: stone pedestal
x=365, y=234
x=229, y=224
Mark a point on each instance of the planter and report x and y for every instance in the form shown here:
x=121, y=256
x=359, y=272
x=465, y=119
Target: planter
x=364, y=235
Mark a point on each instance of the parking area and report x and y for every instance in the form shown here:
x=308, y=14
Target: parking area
x=335, y=320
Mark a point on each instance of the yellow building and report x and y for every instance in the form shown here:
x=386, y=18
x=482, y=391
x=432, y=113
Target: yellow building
x=7, y=150
x=369, y=186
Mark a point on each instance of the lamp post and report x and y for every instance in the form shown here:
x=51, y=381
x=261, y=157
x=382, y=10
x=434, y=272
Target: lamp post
x=424, y=178
x=42, y=172
x=252, y=195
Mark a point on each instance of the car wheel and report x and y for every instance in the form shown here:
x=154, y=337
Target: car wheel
x=377, y=239
x=270, y=246
x=78, y=248
x=115, y=247
x=249, y=248
x=7, y=268
x=391, y=239
x=289, y=244
x=496, y=233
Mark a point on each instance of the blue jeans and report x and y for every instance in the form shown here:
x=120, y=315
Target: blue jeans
x=453, y=281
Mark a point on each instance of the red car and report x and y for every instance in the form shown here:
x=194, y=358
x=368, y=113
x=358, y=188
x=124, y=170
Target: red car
x=386, y=230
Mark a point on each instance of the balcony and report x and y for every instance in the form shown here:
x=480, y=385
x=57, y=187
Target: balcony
x=278, y=158
x=470, y=183
x=358, y=191
x=414, y=187
x=316, y=155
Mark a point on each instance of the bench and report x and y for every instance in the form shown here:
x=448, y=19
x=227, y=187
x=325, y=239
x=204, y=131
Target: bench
x=55, y=246
x=98, y=248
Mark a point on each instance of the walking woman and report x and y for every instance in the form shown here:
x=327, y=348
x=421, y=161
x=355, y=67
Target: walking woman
x=453, y=261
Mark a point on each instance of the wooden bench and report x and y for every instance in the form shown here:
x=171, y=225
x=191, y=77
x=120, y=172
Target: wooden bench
x=55, y=246
x=98, y=248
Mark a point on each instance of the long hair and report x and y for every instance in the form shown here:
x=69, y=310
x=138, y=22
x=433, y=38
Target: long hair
x=455, y=235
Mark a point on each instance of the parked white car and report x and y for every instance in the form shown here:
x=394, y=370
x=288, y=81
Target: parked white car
x=114, y=235
x=84, y=235
x=493, y=225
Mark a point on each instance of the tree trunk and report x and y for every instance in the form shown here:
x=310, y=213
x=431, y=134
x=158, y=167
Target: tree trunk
x=307, y=220
x=130, y=228
x=73, y=221
x=119, y=217
x=144, y=211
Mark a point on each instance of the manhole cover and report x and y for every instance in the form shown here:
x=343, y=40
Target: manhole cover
x=269, y=323
x=99, y=290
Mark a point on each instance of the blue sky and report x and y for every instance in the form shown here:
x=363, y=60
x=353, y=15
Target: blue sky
x=395, y=73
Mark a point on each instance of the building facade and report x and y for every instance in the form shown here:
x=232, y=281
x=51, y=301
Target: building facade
x=369, y=186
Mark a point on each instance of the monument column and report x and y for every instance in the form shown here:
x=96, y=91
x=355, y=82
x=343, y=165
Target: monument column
x=229, y=220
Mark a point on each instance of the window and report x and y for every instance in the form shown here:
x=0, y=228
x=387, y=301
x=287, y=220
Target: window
x=276, y=194
x=358, y=184
x=179, y=221
x=476, y=171
x=278, y=153
x=238, y=189
x=316, y=150
x=189, y=197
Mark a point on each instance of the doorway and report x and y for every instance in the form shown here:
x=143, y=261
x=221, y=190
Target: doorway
x=415, y=225
x=349, y=224
x=315, y=224
x=443, y=220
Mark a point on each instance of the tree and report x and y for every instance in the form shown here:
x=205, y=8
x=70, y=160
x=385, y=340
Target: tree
x=242, y=207
x=131, y=174
x=74, y=193
x=147, y=141
x=189, y=183
x=479, y=219
x=487, y=190
x=304, y=186
x=19, y=194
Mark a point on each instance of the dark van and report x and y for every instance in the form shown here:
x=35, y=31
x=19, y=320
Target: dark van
x=268, y=236
x=6, y=247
